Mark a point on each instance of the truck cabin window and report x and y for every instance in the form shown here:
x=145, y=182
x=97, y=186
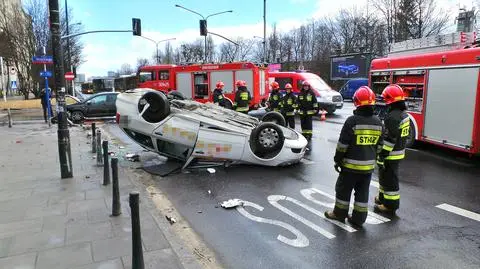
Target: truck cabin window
x=201, y=85
x=145, y=76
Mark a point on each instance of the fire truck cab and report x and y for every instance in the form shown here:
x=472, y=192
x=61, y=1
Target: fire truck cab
x=442, y=95
x=159, y=77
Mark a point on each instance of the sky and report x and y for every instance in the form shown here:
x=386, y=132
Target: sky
x=105, y=52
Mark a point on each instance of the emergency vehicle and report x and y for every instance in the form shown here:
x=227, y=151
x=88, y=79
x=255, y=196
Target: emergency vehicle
x=197, y=81
x=442, y=92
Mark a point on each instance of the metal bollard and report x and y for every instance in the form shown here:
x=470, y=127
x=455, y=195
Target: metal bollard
x=116, y=206
x=99, y=148
x=94, y=141
x=137, y=251
x=106, y=169
x=9, y=118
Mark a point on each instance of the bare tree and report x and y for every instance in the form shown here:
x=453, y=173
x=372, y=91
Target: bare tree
x=169, y=55
x=192, y=52
x=141, y=62
x=125, y=69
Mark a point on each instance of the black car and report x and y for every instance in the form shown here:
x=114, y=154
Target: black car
x=99, y=105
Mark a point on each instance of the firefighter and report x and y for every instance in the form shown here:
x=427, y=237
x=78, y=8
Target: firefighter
x=218, y=97
x=397, y=129
x=242, y=97
x=274, y=101
x=355, y=158
x=289, y=104
x=308, y=107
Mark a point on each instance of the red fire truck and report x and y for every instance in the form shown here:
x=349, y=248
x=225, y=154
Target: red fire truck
x=197, y=81
x=442, y=95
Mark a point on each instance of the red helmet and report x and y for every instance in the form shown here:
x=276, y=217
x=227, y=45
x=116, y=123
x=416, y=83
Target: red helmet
x=220, y=84
x=364, y=96
x=393, y=93
x=305, y=83
x=288, y=86
x=239, y=83
x=275, y=85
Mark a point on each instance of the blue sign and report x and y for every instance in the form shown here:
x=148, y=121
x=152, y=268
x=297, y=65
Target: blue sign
x=13, y=85
x=45, y=74
x=45, y=59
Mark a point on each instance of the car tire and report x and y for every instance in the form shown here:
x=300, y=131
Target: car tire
x=267, y=138
x=411, y=136
x=159, y=107
x=274, y=117
x=77, y=116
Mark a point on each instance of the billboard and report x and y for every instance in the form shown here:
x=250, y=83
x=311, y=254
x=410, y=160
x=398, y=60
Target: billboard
x=344, y=67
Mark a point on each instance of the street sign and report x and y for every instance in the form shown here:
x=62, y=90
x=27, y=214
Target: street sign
x=13, y=85
x=69, y=76
x=13, y=71
x=45, y=59
x=45, y=74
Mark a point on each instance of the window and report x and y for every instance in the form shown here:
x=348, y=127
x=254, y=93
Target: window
x=145, y=76
x=111, y=98
x=200, y=81
x=164, y=75
x=98, y=100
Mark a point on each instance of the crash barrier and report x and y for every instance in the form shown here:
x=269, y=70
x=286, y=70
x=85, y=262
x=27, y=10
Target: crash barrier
x=94, y=141
x=137, y=251
x=106, y=169
x=99, y=148
x=116, y=206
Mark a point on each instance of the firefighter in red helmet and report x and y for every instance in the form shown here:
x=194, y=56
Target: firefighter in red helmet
x=289, y=104
x=355, y=158
x=308, y=107
x=242, y=97
x=397, y=129
x=275, y=97
x=218, y=97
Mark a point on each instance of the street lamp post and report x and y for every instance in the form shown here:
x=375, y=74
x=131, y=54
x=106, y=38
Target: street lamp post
x=156, y=45
x=263, y=43
x=205, y=19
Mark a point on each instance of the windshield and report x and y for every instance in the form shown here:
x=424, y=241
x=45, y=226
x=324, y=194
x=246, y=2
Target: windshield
x=146, y=76
x=318, y=84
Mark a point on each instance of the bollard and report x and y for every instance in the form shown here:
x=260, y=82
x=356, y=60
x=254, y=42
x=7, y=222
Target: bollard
x=99, y=148
x=94, y=141
x=116, y=206
x=137, y=251
x=106, y=169
x=9, y=119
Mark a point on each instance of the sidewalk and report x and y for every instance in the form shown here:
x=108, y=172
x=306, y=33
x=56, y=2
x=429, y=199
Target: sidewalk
x=52, y=223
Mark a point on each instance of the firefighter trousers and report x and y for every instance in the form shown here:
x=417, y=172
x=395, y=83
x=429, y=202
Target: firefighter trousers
x=346, y=182
x=307, y=126
x=290, y=121
x=389, y=194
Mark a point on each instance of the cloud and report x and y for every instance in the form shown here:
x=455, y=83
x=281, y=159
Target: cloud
x=87, y=14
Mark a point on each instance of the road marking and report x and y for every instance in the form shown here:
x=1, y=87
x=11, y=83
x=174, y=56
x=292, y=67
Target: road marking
x=273, y=200
x=300, y=241
x=460, y=211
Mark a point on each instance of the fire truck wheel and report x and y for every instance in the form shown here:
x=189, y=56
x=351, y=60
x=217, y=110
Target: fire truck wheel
x=411, y=136
x=154, y=107
x=266, y=138
x=274, y=117
x=176, y=95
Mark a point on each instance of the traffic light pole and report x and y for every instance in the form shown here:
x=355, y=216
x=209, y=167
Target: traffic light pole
x=63, y=133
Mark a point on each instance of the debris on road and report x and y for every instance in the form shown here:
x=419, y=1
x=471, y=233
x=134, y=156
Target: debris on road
x=199, y=212
x=121, y=147
x=170, y=219
x=232, y=203
x=211, y=170
x=209, y=192
x=132, y=157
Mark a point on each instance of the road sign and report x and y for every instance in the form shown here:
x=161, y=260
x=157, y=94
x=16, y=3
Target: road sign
x=45, y=59
x=69, y=76
x=13, y=85
x=45, y=74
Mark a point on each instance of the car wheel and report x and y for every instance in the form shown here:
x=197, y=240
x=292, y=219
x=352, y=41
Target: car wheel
x=274, y=117
x=267, y=137
x=77, y=116
x=411, y=136
x=154, y=107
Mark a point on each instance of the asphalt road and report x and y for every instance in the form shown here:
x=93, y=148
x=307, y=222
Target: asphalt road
x=281, y=224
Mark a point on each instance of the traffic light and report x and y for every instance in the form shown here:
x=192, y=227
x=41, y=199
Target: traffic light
x=203, y=27
x=137, y=26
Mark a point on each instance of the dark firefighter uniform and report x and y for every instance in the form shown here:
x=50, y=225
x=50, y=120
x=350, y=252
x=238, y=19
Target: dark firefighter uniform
x=356, y=155
x=308, y=106
x=289, y=104
x=397, y=129
x=218, y=97
x=274, y=101
x=242, y=99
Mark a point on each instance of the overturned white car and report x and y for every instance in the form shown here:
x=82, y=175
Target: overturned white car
x=191, y=131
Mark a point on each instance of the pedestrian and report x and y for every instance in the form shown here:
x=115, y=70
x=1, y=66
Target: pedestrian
x=274, y=101
x=355, y=158
x=308, y=107
x=45, y=103
x=397, y=129
x=218, y=97
x=289, y=104
x=242, y=97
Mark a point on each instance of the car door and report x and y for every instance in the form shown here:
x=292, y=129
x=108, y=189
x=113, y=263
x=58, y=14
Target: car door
x=110, y=105
x=96, y=107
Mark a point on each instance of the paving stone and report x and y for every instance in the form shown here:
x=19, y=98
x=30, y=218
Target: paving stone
x=21, y=204
x=79, y=206
x=111, y=264
x=112, y=248
x=65, y=257
x=165, y=259
x=60, y=222
x=12, y=216
x=100, y=193
x=66, y=197
x=153, y=239
x=41, y=211
x=100, y=215
x=13, y=228
x=30, y=242
x=25, y=261
x=8, y=195
x=5, y=246
x=90, y=232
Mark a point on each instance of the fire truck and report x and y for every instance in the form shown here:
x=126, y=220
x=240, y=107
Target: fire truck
x=442, y=90
x=197, y=81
